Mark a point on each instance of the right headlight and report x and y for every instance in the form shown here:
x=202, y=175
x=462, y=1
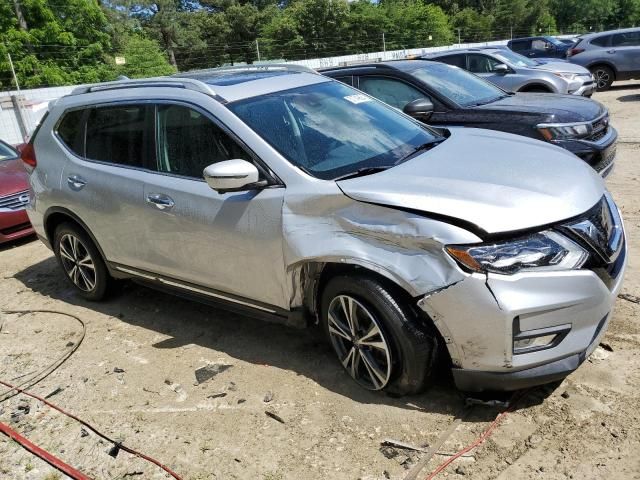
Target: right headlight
x=544, y=251
x=564, y=130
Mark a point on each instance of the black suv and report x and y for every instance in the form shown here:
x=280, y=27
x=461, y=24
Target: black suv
x=442, y=94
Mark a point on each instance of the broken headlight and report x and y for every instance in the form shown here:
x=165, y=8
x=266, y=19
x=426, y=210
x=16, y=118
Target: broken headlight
x=545, y=251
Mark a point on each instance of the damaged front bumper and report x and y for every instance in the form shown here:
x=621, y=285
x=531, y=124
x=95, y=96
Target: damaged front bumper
x=482, y=316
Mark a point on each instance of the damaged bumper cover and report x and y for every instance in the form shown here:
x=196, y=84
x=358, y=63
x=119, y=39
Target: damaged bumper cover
x=482, y=317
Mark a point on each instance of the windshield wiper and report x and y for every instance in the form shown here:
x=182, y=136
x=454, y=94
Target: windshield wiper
x=362, y=172
x=419, y=149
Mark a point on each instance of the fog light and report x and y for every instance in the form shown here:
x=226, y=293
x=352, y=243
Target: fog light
x=533, y=343
x=528, y=341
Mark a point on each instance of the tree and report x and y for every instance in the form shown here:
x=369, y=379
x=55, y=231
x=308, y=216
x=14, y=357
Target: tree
x=64, y=42
x=143, y=59
x=417, y=25
x=473, y=25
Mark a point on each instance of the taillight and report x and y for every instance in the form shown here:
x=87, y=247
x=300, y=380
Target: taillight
x=574, y=51
x=28, y=154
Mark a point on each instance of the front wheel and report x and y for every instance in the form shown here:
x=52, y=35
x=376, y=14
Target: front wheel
x=377, y=337
x=81, y=261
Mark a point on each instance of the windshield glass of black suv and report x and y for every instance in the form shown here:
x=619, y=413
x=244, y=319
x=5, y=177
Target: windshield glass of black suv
x=330, y=130
x=458, y=85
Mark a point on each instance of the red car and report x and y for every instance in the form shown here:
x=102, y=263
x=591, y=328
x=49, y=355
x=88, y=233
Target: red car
x=14, y=195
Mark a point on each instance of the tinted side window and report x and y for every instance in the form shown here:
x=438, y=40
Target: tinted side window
x=117, y=135
x=455, y=60
x=188, y=142
x=348, y=80
x=539, y=44
x=482, y=64
x=71, y=131
x=519, y=45
x=392, y=92
x=627, y=39
x=601, y=41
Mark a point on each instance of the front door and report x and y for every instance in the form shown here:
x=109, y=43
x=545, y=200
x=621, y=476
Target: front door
x=229, y=242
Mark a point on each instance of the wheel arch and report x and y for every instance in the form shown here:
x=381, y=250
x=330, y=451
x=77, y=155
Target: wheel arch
x=55, y=216
x=603, y=63
x=537, y=85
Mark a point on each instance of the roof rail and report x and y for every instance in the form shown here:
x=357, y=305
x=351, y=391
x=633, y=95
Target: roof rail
x=186, y=83
x=254, y=67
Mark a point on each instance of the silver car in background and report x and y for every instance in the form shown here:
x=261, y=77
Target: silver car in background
x=515, y=73
x=610, y=56
x=287, y=195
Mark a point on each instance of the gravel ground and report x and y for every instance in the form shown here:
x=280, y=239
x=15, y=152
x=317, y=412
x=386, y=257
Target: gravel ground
x=137, y=378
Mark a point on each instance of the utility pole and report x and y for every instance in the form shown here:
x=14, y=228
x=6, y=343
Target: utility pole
x=13, y=71
x=511, y=30
x=258, y=49
x=384, y=44
x=459, y=43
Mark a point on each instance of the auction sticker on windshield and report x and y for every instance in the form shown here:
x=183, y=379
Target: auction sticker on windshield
x=358, y=98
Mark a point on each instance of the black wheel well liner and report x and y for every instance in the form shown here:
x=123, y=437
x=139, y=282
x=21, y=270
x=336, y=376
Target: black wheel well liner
x=532, y=86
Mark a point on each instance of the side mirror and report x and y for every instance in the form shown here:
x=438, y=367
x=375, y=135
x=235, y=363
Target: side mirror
x=501, y=69
x=420, y=109
x=231, y=175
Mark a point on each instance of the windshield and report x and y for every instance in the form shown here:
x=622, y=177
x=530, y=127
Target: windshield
x=7, y=152
x=515, y=59
x=331, y=130
x=458, y=85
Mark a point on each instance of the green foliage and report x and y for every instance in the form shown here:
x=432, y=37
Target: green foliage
x=75, y=41
x=143, y=59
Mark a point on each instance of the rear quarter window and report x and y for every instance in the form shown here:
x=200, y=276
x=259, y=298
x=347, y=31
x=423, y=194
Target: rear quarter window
x=71, y=131
x=602, y=41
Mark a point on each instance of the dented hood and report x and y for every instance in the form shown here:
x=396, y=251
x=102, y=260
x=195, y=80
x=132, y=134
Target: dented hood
x=495, y=181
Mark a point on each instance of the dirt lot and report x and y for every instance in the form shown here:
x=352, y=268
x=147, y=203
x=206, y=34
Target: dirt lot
x=133, y=377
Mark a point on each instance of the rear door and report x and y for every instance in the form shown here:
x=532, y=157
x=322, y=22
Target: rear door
x=625, y=52
x=102, y=179
x=230, y=242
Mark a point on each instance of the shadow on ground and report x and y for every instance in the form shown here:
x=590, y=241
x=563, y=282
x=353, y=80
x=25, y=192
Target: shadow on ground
x=302, y=351
x=629, y=98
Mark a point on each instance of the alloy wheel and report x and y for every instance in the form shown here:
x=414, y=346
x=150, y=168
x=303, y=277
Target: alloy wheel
x=359, y=342
x=77, y=262
x=602, y=78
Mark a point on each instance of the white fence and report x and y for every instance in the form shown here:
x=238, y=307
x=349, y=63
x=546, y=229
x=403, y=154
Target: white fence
x=16, y=124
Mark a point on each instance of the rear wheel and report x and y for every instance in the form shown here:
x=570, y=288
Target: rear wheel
x=378, y=339
x=81, y=261
x=604, y=77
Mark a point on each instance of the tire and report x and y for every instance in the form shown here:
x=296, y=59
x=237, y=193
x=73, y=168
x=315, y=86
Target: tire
x=81, y=262
x=411, y=344
x=604, y=77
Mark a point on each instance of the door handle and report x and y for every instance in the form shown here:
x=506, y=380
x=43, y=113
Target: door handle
x=76, y=182
x=160, y=201
x=611, y=51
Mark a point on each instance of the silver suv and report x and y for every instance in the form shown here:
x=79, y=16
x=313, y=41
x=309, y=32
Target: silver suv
x=292, y=196
x=515, y=73
x=611, y=56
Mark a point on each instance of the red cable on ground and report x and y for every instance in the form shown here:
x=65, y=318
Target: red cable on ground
x=468, y=448
x=93, y=429
x=486, y=434
x=43, y=454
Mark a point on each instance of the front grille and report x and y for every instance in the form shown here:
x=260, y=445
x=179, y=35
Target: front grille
x=15, y=201
x=599, y=128
x=600, y=232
